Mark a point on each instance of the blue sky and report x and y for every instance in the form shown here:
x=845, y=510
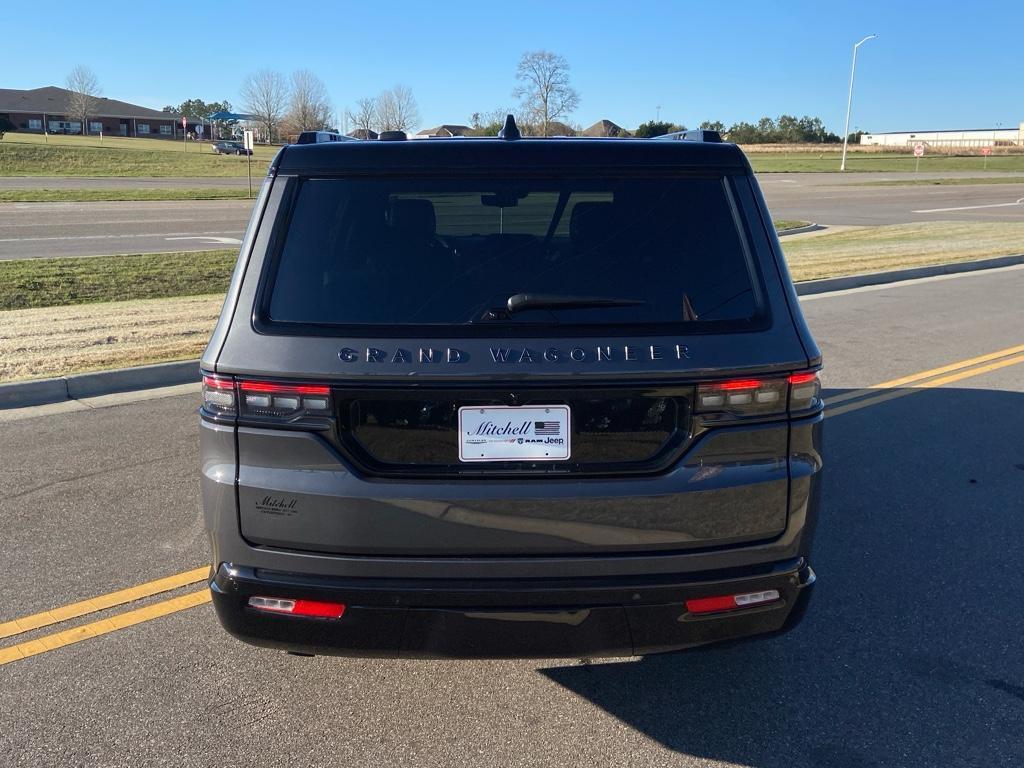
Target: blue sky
x=952, y=66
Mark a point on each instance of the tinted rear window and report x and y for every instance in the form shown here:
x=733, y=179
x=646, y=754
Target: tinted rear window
x=448, y=252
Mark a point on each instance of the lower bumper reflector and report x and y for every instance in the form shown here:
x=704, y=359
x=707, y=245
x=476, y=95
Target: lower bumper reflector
x=313, y=608
x=731, y=602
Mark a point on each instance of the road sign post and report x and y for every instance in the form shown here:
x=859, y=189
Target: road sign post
x=184, y=134
x=918, y=152
x=985, y=152
x=247, y=143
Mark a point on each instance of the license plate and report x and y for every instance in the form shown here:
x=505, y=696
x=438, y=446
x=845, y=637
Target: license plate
x=508, y=433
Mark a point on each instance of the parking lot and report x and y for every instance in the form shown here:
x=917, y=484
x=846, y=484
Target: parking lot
x=910, y=654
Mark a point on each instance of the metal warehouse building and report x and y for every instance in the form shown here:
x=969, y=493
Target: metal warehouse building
x=973, y=137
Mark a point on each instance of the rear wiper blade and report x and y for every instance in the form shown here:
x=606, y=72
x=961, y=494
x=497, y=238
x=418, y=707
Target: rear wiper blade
x=521, y=301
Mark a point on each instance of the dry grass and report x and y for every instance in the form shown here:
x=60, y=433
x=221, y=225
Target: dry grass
x=54, y=341
x=856, y=250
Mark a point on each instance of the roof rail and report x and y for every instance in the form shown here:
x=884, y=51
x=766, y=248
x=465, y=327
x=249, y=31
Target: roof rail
x=699, y=134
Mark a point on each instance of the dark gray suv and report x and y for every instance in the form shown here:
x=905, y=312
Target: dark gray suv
x=510, y=397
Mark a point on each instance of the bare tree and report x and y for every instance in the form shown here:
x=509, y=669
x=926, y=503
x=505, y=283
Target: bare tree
x=364, y=118
x=266, y=97
x=397, y=110
x=490, y=122
x=84, y=98
x=310, y=108
x=545, y=91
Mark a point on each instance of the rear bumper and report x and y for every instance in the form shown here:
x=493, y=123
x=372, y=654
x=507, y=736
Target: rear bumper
x=547, y=618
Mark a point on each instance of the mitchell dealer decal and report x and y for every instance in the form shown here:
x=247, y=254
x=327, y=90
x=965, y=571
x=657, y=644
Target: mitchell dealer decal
x=281, y=507
x=518, y=355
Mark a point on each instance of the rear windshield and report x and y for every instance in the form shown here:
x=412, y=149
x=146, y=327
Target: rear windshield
x=513, y=252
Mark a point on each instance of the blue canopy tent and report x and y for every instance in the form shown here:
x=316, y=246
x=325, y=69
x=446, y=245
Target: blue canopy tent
x=217, y=117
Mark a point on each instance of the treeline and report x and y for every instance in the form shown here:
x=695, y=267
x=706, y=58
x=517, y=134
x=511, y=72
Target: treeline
x=786, y=129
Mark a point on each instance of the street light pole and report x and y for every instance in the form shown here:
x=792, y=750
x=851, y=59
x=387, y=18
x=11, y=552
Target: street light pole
x=849, y=98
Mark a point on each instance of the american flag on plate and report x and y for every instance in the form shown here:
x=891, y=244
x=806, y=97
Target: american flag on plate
x=546, y=427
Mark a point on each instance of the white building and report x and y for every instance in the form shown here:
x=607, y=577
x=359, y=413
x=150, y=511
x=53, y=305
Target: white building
x=979, y=137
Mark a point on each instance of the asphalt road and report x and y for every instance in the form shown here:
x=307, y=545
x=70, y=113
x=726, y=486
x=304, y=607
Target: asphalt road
x=910, y=655
x=848, y=199
x=37, y=230
x=47, y=230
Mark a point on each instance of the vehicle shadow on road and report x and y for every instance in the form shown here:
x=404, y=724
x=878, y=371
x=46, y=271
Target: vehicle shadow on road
x=910, y=653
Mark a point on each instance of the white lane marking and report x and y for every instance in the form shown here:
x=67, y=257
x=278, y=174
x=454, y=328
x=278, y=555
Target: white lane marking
x=209, y=239
x=913, y=281
x=167, y=235
x=970, y=207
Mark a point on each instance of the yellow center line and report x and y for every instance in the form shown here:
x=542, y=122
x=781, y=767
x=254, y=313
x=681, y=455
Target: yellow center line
x=922, y=375
x=102, y=602
x=102, y=627
x=895, y=393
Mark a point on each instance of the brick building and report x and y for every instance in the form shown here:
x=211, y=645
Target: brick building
x=36, y=109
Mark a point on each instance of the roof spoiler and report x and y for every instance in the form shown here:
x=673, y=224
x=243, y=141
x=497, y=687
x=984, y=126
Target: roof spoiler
x=708, y=137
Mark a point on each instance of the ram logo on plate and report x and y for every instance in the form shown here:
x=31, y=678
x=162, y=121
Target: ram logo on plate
x=508, y=433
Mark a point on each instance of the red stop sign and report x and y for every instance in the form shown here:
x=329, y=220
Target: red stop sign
x=918, y=150
x=986, y=150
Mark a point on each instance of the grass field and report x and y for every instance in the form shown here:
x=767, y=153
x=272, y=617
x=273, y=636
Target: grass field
x=870, y=249
x=28, y=155
x=70, y=315
x=26, y=283
x=784, y=224
x=55, y=341
x=809, y=162
x=94, y=195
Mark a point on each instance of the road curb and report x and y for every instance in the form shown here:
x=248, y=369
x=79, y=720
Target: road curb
x=829, y=284
x=812, y=227
x=21, y=394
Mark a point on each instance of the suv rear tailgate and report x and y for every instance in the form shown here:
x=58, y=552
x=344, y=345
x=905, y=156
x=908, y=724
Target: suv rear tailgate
x=731, y=486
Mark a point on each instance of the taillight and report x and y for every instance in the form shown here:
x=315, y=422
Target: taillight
x=760, y=396
x=283, y=401
x=804, y=391
x=219, y=394
x=318, y=609
x=265, y=401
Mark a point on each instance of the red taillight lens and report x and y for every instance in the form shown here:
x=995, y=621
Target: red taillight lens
x=267, y=386
x=803, y=378
x=219, y=394
x=293, y=607
x=731, y=602
x=737, y=385
x=283, y=401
